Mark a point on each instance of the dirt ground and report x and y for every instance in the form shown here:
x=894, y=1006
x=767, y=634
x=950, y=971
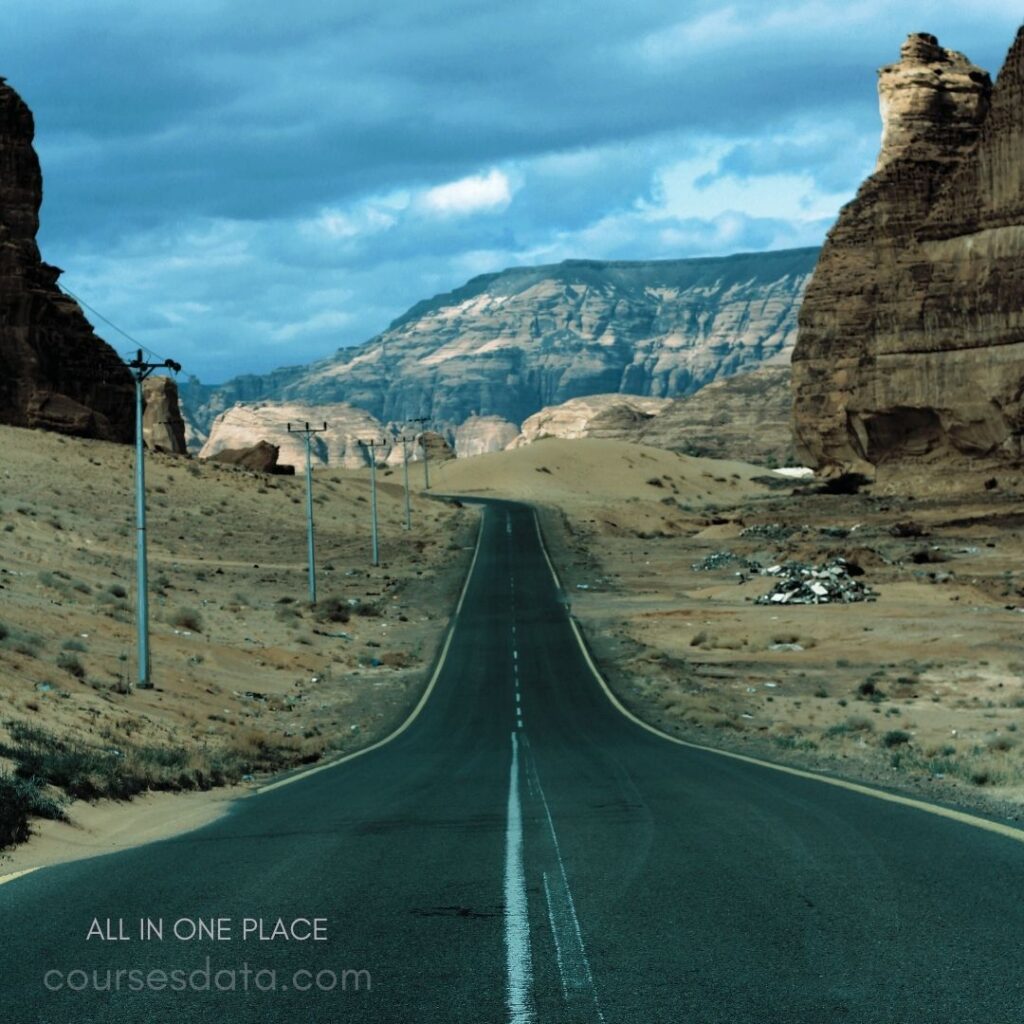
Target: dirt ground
x=248, y=677
x=921, y=689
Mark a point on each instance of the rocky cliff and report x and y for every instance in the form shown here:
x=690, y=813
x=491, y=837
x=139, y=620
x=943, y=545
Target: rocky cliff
x=480, y=435
x=615, y=416
x=245, y=426
x=746, y=417
x=510, y=343
x=163, y=429
x=911, y=339
x=55, y=373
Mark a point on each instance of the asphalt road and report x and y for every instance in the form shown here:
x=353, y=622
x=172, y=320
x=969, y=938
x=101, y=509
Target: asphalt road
x=524, y=852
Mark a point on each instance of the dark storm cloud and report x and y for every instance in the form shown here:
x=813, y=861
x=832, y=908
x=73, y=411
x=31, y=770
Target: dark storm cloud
x=231, y=163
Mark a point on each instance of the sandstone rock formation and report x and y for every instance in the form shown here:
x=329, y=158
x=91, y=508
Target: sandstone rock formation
x=55, y=373
x=911, y=341
x=163, y=429
x=479, y=435
x=244, y=425
x=436, y=446
x=615, y=416
x=261, y=458
x=746, y=417
x=510, y=343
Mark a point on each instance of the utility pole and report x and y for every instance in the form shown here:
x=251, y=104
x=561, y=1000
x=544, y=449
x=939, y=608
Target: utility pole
x=405, y=439
x=371, y=447
x=426, y=454
x=140, y=371
x=307, y=433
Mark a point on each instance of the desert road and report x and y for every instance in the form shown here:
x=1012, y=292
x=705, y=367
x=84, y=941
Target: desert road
x=522, y=851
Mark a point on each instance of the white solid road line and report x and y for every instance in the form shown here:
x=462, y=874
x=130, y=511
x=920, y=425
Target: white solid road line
x=518, y=954
x=4, y=879
x=573, y=966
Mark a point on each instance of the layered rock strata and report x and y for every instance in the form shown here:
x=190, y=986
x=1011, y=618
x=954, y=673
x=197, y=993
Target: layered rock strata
x=911, y=343
x=510, y=343
x=244, y=426
x=55, y=373
x=163, y=429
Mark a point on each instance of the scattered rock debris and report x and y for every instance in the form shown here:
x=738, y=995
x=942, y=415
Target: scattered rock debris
x=771, y=531
x=815, y=584
x=723, y=559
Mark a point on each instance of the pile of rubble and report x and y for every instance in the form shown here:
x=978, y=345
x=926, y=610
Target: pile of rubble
x=796, y=583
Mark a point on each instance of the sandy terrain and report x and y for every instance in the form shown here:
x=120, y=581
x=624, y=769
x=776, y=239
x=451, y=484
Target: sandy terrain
x=921, y=689
x=248, y=677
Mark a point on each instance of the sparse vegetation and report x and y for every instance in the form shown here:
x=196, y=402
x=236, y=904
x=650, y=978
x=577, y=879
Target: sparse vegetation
x=187, y=618
x=895, y=738
x=21, y=800
x=70, y=663
x=333, y=609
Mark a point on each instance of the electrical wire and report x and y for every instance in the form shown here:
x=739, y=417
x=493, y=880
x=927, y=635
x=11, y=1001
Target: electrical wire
x=92, y=309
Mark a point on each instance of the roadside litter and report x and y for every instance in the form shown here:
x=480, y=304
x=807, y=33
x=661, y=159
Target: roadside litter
x=797, y=583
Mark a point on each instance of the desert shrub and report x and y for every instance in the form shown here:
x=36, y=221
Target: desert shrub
x=1001, y=744
x=333, y=609
x=895, y=738
x=20, y=641
x=73, y=644
x=117, y=590
x=20, y=800
x=366, y=609
x=70, y=663
x=854, y=724
x=187, y=618
x=85, y=771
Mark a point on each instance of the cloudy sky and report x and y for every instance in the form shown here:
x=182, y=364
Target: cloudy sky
x=244, y=185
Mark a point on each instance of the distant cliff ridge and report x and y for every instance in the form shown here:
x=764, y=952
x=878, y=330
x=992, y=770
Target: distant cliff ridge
x=509, y=344
x=911, y=341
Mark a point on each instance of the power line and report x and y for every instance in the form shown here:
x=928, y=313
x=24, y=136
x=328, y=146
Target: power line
x=110, y=323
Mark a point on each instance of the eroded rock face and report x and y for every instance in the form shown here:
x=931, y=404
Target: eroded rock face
x=55, y=373
x=435, y=446
x=911, y=342
x=163, y=429
x=931, y=101
x=260, y=458
x=479, y=435
x=746, y=417
x=510, y=343
x=243, y=426
x=614, y=416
